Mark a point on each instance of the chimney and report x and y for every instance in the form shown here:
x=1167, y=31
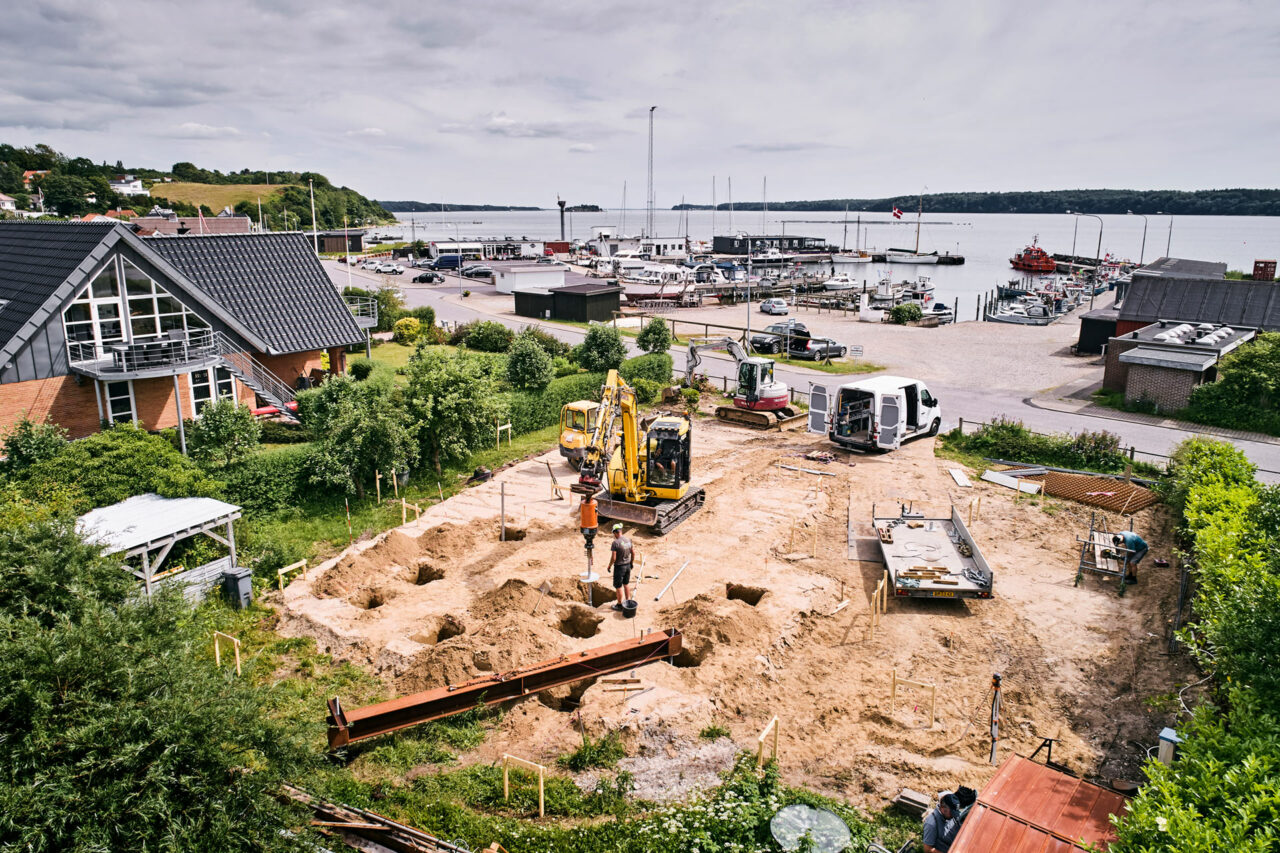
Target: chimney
x=561, y=202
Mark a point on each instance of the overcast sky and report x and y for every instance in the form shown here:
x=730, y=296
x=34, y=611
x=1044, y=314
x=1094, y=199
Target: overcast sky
x=514, y=102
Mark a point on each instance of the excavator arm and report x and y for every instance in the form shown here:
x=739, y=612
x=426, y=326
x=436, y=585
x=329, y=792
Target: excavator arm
x=697, y=345
x=617, y=403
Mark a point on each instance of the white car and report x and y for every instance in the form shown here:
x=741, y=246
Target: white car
x=369, y=265
x=773, y=306
x=390, y=269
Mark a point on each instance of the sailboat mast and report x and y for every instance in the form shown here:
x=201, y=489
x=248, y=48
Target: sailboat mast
x=919, y=213
x=622, y=229
x=713, y=208
x=731, y=231
x=844, y=236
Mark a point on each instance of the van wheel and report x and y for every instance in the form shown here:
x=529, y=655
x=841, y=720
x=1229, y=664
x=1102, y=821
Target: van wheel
x=933, y=427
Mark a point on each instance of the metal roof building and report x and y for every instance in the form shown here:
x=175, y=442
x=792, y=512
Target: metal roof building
x=1031, y=808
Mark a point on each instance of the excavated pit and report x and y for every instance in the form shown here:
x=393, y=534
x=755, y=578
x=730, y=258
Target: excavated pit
x=440, y=629
x=580, y=622
x=741, y=592
x=514, y=534
x=425, y=573
x=567, y=697
x=370, y=599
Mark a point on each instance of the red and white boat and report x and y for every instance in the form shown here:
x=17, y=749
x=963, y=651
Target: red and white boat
x=1034, y=259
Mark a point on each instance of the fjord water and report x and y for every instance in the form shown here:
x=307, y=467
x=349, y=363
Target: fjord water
x=986, y=240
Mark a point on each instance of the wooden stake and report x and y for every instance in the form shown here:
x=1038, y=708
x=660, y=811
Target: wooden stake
x=507, y=761
x=440, y=489
x=217, y=652
x=395, y=483
x=280, y=573
x=377, y=484
x=772, y=727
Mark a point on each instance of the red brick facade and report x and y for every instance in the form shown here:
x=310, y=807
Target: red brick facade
x=1168, y=388
x=1116, y=372
x=59, y=399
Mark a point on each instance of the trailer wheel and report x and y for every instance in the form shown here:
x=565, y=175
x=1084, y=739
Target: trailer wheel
x=933, y=427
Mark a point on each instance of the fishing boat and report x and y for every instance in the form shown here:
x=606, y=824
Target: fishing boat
x=914, y=256
x=840, y=281
x=1021, y=314
x=1034, y=259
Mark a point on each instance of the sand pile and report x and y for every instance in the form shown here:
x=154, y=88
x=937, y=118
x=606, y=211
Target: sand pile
x=708, y=621
x=508, y=641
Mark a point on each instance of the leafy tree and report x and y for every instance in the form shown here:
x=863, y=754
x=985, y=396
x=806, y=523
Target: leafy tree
x=29, y=442
x=424, y=314
x=48, y=573
x=528, y=365
x=360, y=369
x=552, y=345
x=601, y=350
x=66, y=194
x=122, y=735
x=10, y=178
x=361, y=429
x=655, y=336
x=120, y=462
x=453, y=402
x=224, y=433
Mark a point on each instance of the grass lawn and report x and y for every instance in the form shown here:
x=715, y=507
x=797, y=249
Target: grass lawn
x=215, y=196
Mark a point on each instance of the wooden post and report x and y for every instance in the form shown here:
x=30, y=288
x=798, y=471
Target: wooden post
x=280, y=573
x=377, y=484
x=918, y=685
x=507, y=761
x=440, y=489
x=217, y=652
x=772, y=727
x=395, y=483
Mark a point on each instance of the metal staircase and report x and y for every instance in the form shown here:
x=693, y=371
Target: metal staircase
x=255, y=374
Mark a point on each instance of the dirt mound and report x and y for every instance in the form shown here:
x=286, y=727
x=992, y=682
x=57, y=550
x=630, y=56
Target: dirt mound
x=707, y=621
x=448, y=540
x=347, y=576
x=513, y=596
x=507, y=642
x=397, y=549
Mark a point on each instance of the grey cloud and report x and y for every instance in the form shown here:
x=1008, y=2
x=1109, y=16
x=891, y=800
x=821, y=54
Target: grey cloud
x=196, y=130
x=501, y=124
x=780, y=147
x=581, y=148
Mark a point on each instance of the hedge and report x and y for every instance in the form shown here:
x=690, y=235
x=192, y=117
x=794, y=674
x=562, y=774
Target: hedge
x=656, y=367
x=271, y=480
x=534, y=410
x=1008, y=439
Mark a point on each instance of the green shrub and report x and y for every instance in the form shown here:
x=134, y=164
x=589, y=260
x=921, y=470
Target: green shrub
x=655, y=336
x=531, y=411
x=563, y=367
x=390, y=304
x=434, y=335
x=490, y=336
x=550, y=344
x=594, y=752
x=601, y=350
x=360, y=368
x=270, y=480
x=1198, y=462
x=656, y=367
x=691, y=397
x=1247, y=393
x=283, y=432
x=646, y=390
x=29, y=442
x=224, y=432
x=713, y=732
x=1007, y=438
x=907, y=312
x=528, y=365
x=406, y=331
x=458, y=336
x=424, y=314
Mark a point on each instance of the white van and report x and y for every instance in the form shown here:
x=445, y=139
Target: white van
x=874, y=414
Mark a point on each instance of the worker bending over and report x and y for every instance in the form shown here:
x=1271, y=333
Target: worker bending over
x=941, y=825
x=1136, y=547
x=621, y=556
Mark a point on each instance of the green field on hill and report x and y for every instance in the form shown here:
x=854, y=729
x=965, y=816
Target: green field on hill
x=215, y=196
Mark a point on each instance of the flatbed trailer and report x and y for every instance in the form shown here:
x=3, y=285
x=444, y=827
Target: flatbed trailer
x=931, y=557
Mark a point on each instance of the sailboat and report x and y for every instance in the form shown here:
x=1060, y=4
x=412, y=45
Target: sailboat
x=858, y=256
x=902, y=256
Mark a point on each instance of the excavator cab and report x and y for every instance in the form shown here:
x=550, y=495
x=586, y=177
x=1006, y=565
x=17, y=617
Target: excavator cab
x=753, y=374
x=667, y=457
x=576, y=420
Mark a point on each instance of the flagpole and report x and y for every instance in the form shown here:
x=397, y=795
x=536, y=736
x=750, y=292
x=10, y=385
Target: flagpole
x=347, y=240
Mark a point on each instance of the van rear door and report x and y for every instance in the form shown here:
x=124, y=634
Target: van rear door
x=892, y=407
x=819, y=406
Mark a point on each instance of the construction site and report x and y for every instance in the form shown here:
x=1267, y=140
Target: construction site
x=775, y=594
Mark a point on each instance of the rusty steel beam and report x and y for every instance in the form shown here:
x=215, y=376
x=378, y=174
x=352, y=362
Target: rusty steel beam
x=348, y=726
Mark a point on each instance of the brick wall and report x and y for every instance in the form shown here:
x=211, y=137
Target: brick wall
x=1124, y=327
x=1168, y=388
x=1116, y=372
x=60, y=399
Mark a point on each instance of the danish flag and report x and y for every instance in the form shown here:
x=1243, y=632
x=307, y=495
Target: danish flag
x=897, y=214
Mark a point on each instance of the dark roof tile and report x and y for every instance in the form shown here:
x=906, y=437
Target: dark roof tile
x=35, y=258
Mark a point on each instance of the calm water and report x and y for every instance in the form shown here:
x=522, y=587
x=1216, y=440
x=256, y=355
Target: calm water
x=986, y=240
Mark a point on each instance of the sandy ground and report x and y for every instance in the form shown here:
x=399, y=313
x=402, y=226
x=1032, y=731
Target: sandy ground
x=443, y=600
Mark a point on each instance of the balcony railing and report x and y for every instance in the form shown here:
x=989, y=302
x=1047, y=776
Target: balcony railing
x=364, y=309
x=174, y=349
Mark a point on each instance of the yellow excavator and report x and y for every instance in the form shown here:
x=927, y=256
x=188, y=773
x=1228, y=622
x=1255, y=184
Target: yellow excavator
x=638, y=476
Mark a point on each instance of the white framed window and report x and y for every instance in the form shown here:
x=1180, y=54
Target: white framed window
x=120, y=403
x=217, y=383
x=122, y=304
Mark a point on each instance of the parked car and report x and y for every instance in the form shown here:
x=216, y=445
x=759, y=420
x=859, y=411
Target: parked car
x=819, y=348
x=422, y=263
x=447, y=262
x=551, y=262
x=774, y=306
x=369, y=265
x=478, y=271
x=427, y=277
x=389, y=268
x=774, y=337
x=873, y=414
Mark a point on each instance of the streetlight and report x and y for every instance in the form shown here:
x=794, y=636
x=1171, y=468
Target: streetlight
x=1143, y=251
x=1097, y=261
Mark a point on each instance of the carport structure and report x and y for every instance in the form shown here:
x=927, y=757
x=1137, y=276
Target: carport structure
x=146, y=527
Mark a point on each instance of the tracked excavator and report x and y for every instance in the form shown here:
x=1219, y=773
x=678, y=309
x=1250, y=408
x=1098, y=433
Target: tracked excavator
x=639, y=474
x=760, y=401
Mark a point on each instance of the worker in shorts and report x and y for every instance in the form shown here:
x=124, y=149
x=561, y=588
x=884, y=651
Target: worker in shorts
x=621, y=555
x=1137, y=548
x=588, y=520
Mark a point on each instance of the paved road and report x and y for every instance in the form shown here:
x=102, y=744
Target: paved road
x=972, y=404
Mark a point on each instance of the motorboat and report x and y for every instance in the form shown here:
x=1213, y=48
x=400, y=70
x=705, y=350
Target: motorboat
x=1021, y=314
x=840, y=281
x=1034, y=259
x=942, y=311
x=772, y=256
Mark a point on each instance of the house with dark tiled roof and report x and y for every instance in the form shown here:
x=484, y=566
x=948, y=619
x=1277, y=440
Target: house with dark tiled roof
x=98, y=324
